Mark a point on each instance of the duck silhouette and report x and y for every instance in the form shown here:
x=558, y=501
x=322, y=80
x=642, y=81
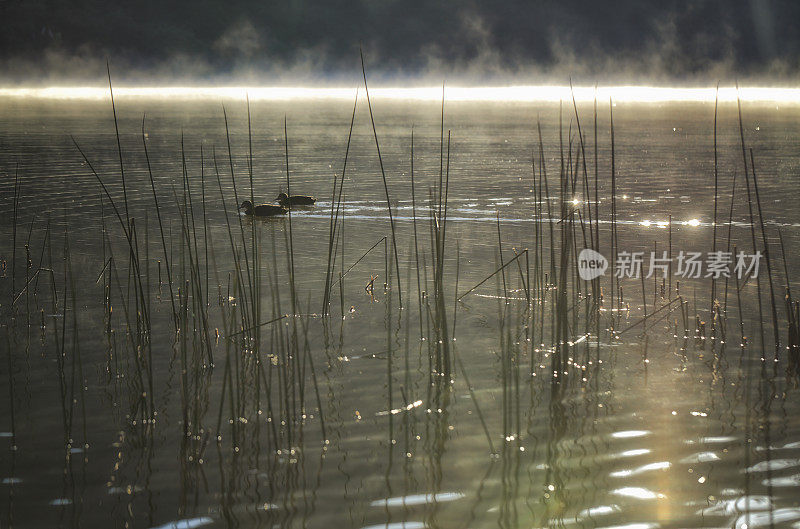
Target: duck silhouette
x=295, y=200
x=262, y=210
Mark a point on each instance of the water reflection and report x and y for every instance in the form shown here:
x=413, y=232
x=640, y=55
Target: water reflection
x=633, y=526
x=186, y=524
x=630, y=434
x=738, y=505
x=661, y=465
x=767, y=519
x=637, y=492
x=601, y=510
x=347, y=420
x=418, y=499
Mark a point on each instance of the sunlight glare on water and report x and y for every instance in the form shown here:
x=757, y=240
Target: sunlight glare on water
x=623, y=94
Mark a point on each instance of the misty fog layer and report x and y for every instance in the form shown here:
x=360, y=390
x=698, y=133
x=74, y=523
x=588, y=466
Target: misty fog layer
x=52, y=40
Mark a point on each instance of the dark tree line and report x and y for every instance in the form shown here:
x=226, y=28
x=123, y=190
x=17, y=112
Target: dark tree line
x=405, y=37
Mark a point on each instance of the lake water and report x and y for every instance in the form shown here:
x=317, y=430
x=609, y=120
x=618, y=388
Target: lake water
x=109, y=419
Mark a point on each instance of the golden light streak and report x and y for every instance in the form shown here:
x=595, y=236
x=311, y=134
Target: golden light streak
x=620, y=94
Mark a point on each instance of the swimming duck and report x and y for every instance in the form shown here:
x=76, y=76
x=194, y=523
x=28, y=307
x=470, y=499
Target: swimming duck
x=295, y=200
x=262, y=210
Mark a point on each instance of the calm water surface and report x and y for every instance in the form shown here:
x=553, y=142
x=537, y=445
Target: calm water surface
x=642, y=432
